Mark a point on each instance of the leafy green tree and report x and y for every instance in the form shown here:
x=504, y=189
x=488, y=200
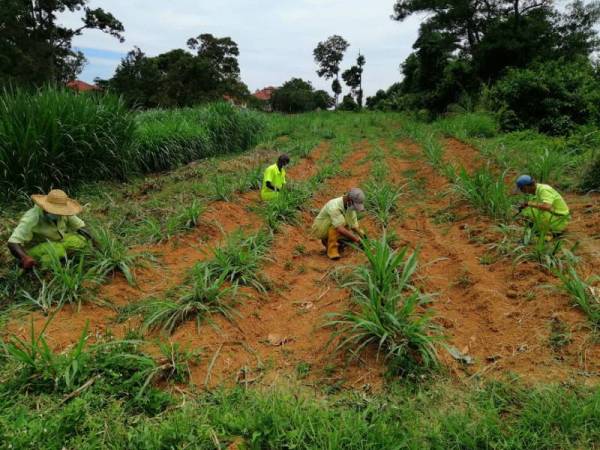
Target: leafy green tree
x=353, y=78
x=297, y=96
x=466, y=44
x=329, y=55
x=136, y=79
x=348, y=104
x=181, y=78
x=35, y=48
x=323, y=100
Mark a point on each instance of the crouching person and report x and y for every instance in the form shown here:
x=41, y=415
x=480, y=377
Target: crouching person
x=545, y=208
x=337, y=222
x=51, y=228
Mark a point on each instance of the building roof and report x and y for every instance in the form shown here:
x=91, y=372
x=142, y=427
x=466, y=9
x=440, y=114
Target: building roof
x=81, y=86
x=265, y=94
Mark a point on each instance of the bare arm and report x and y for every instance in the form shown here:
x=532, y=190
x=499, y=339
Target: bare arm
x=541, y=206
x=26, y=261
x=348, y=234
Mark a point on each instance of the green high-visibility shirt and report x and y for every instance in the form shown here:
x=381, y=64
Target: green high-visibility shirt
x=547, y=194
x=34, y=227
x=277, y=179
x=334, y=215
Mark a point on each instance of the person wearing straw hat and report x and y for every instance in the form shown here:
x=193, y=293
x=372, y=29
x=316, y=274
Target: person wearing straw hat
x=50, y=229
x=337, y=222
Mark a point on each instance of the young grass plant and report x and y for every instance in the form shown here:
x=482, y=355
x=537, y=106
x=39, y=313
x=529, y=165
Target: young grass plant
x=110, y=255
x=485, y=191
x=389, y=311
x=382, y=200
x=240, y=259
x=72, y=278
x=582, y=293
x=208, y=294
x=285, y=207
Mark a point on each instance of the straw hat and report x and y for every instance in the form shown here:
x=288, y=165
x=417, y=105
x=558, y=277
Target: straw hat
x=57, y=202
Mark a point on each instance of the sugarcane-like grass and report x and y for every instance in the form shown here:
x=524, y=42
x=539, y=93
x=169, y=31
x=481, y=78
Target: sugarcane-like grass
x=209, y=294
x=389, y=312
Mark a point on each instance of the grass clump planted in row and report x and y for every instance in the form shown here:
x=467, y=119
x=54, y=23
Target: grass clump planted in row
x=389, y=313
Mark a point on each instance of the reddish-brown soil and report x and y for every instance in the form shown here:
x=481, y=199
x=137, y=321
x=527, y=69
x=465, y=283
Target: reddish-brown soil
x=499, y=314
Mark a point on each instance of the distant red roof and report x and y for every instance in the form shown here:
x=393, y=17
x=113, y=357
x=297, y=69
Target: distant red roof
x=265, y=94
x=81, y=86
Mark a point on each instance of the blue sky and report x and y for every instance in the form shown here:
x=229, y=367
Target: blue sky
x=276, y=37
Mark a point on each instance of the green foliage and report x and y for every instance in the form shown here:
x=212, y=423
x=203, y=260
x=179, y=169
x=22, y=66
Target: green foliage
x=553, y=96
x=58, y=138
x=240, y=259
x=208, y=295
x=71, y=278
x=36, y=46
x=582, y=293
x=389, y=313
x=167, y=139
x=382, y=200
x=591, y=177
x=485, y=191
x=353, y=78
x=469, y=125
x=549, y=165
x=178, y=77
x=111, y=255
x=285, y=207
x=328, y=56
x=297, y=96
x=348, y=104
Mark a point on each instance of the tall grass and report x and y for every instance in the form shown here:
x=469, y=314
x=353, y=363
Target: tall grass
x=485, y=191
x=54, y=138
x=168, y=138
x=389, y=314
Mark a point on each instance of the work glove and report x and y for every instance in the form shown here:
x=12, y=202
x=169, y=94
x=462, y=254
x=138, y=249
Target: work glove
x=28, y=263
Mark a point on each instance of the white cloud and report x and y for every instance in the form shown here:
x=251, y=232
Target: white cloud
x=276, y=37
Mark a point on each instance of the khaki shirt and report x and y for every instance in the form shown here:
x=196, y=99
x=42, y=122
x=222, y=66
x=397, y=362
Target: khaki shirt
x=34, y=227
x=334, y=215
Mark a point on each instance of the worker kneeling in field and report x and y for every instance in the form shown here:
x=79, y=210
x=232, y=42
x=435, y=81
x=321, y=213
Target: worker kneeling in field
x=274, y=178
x=51, y=228
x=337, y=222
x=546, y=210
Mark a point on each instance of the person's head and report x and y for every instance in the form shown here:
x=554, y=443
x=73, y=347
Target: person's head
x=56, y=204
x=283, y=160
x=355, y=199
x=526, y=184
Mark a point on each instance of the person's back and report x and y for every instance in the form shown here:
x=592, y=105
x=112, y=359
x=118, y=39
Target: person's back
x=547, y=194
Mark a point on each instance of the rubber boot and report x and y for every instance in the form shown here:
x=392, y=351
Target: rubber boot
x=333, y=246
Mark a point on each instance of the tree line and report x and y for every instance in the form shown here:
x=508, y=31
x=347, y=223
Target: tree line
x=527, y=60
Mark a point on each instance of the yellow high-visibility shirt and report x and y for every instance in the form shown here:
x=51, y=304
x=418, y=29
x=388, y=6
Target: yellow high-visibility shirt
x=549, y=195
x=277, y=179
x=334, y=215
x=34, y=227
